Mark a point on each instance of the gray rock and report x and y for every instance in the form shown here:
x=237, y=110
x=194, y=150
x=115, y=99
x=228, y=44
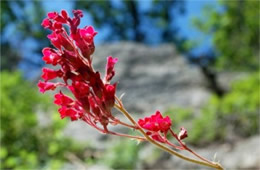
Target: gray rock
x=153, y=78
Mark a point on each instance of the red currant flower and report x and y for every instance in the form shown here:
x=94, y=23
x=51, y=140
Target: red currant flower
x=57, y=25
x=110, y=72
x=62, y=100
x=44, y=86
x=79, y=89
x=109, y=95
x=50, y=56
x=46, y=23
x=68, y=112
x=64, y=14
x=88, y=34
x=52, y=15
x=156, y=122
x=49, y=74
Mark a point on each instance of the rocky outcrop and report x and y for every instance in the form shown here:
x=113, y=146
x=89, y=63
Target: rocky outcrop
x=153, y=77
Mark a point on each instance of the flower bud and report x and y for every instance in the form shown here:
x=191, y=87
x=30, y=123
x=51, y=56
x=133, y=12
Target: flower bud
x=183, y=133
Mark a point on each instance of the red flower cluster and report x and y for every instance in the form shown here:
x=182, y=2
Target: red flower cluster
x=155, y=124
x=93, y=97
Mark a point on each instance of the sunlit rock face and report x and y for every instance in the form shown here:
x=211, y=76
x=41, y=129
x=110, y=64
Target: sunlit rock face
x=153, y=77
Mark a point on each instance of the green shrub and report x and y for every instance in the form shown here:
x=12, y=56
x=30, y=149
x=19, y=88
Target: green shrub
x=238, y=110
x=234, y=32
x=205, y=128
x=25, y=144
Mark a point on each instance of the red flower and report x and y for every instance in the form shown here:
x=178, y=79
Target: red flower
x=57, y=25
x=44, y=86
x=58, y=40
x=81, y=92
x=78, y=13
x=49, y=74
x=55, y=40
x=109, y=95
x=96, y=83
x=88, y=34
x=50, y=56
x=68, y=112
x=46, y=23
x=52, y=15
x=64, y=14
x=156, y=123
x=80, y=88
x=110, y=72
x=62, y=100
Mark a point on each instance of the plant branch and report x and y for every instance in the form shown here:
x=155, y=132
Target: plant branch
x=120, y=107
x=128, y=136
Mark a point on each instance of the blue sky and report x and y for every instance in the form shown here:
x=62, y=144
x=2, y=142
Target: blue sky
x=194, y=8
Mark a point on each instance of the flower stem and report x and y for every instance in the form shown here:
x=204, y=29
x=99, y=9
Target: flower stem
x=174, y=146
x=120, y=107
x=126, y=135
x=124, y=124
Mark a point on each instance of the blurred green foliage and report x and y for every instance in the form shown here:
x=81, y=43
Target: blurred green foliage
x=237, y=113
x=178, y=115
x=24, y=143
x=235, y=31
x=238, y=110
x=123, y=154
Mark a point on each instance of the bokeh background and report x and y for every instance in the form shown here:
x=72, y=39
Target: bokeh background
x=196, y=61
